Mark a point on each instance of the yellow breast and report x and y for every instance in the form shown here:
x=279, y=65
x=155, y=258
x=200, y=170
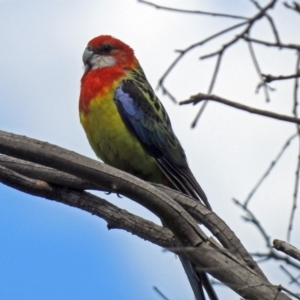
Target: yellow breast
x=113, y=142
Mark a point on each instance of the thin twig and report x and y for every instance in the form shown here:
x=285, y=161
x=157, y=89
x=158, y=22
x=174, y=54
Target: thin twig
x=272, y=165
x=295, y=195
x=274, y=29
x=272, y=24
x=269, y=78
x=165, y=91
x=251, y=21
x=160, y=293
x=270, y=44
x=258, y=70
x=282, y=288
x=271, y=252
x=192, y=11
x=185, y=51
x=220, y=52
x=251, y=218
x=295, y=8
x=200, y=97
x=210, y=89
x=289, y=274
x=199, y=114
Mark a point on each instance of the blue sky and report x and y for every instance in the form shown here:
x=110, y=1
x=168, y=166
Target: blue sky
x=51, y=251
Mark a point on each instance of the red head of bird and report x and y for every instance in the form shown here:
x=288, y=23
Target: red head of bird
x=106, y=51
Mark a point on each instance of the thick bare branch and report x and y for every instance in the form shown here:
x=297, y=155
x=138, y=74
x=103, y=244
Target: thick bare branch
x=201, y=214
x=50, y=175
x=216, y=225
x=287, y=248
x=202, y=253
x=115, y=217
x=114, y=180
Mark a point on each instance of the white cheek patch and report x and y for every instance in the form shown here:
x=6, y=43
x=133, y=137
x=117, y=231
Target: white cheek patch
x=101, y=61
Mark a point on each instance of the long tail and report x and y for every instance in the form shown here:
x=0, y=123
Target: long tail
x=183, y=180
x=194, y=280
x=198, y=281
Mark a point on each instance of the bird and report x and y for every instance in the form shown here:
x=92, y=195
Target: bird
x=128, y=127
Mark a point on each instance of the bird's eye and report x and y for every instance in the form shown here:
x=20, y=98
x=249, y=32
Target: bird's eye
x=106, y=48
x=89, y=48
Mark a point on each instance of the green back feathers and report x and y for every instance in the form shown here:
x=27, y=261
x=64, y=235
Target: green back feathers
x=146, y=118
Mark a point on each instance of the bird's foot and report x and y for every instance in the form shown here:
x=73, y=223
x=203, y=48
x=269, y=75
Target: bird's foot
x=108, y=193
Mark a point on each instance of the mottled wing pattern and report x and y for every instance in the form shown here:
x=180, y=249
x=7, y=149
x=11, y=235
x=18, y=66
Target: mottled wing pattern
x=146, y=117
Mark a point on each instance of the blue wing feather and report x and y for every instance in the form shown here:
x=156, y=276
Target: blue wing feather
x=145, y=116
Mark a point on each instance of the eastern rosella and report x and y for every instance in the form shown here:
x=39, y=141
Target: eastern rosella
x=125, y=123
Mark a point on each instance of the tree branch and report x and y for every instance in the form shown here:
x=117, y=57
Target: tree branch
x=287, y=248
x=269, y=169
x=201, y=252
x=250, y=22
x=198, y=12
x=269, y=44
x=269, y=78
x=200, y=97
x=200, y=212
x=295, y=7
x=115, y=217
x=271, y=253
x=257, y=67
